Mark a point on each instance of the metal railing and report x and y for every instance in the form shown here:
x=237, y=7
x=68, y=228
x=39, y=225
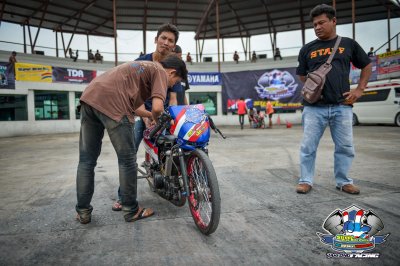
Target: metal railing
x=383, y=45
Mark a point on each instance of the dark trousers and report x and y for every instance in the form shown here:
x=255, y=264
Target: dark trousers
x=241, y=121
x=93, y=124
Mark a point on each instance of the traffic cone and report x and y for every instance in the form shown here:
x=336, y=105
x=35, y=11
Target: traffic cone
x=288, y=124
x=278, y=120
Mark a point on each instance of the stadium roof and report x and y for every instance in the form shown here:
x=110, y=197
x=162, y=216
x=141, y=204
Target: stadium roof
x=237, y=18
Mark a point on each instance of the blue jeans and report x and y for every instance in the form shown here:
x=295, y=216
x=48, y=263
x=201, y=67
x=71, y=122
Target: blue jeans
x=93, y=124
x=138, y=135
x=315, y=120
x=138, y=132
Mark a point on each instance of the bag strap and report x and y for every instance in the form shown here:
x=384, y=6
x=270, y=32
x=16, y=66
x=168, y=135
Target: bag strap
x=334, y=50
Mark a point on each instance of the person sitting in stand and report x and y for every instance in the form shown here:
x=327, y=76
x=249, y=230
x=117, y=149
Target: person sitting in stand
x=189, y=59
x=71, y=54
x=236, y=57
x=98, y=56
x=254, y=57
x=371, y=51
x=277, y=54
x=91, y=56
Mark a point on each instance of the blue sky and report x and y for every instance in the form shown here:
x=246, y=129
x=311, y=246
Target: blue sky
x=130, y=43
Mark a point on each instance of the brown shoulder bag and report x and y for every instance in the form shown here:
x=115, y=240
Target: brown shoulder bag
x=315, y=81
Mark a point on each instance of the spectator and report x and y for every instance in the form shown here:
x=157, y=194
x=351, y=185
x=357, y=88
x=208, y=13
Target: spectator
x=269, y=110
x=236, y=57
x=71, y=54
x=141, y=54
x=252, y=112
x=254, y=57
x=242, y=110
x=180, y=94
x=98, y=56
x=277, y=54
x=371, y=51
x=76, y=55
x=189, y=59
x=178, y=51
x=11, y=63
x=334, y=109
x=91, y=56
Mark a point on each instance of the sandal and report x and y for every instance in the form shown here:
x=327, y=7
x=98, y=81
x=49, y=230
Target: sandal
x=117, y=206
x=142, y=213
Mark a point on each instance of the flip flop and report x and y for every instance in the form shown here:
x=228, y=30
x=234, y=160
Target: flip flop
x=117, y=206
x=142, y=214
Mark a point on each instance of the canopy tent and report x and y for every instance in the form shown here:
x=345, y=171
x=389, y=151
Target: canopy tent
x=209, y=19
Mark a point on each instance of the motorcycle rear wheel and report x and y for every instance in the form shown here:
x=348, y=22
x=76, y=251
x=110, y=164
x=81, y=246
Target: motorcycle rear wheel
x=204, y=198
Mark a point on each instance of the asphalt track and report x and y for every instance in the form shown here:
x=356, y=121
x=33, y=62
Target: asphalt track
x=263, y=220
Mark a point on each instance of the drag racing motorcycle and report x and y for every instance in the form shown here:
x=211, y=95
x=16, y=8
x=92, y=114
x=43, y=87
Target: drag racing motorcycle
x=177, y=166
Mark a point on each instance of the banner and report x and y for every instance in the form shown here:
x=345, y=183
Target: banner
x=389, y=62
x=280, y=86
x=33, y=72
x=207, y=78
x=356, y=72
x=7, y=76
x=73, y=75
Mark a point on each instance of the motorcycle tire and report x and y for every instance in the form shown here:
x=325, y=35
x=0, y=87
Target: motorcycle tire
x=204, y=198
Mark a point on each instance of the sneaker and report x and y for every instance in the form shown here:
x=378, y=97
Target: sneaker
x=303, y=188
x=349, y=188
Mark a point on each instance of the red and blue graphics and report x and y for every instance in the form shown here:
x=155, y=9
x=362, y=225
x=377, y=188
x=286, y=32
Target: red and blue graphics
x=191, y=125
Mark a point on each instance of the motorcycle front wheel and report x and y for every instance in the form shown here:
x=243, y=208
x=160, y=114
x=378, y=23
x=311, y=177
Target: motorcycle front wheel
x=204, y=198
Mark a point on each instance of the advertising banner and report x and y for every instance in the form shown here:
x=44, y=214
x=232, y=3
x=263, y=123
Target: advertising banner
x=7, y=76
x=389, y=62
x=280, y=86
x=204, y=78
x=356, y=72
x=73, y=75
x=33, y=72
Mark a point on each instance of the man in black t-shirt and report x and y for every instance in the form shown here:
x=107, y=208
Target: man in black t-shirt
x=335, y=106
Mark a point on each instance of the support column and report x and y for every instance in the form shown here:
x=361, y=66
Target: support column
x=353, y=18
x=223, y=50
x=115, y=31
x=24, y=39
x=388, y=27
x=217, y=17
x=56, y=44
x=219, y=103
x=87, y=42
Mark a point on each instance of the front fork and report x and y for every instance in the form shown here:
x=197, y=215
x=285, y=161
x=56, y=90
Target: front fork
x=185, y=178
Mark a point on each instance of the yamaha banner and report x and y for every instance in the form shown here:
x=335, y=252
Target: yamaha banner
x=206, y=78
x=73, y=75
x=280, y=86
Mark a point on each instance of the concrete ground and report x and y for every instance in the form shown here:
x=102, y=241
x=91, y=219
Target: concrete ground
x=263, y=220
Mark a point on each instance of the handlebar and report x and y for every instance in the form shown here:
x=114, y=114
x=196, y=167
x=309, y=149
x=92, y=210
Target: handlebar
x=162, y=122
x=213, y=127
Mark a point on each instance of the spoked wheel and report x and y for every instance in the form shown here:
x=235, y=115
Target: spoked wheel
x=204, y=198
